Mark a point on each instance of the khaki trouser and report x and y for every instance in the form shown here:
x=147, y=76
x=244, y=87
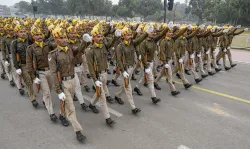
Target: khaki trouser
x=46, y=87
x=150, y=80
x=12, y=75
x=208, y=59
x=191, y=66
x=213, y=52
x=180, y=69
x=28, y=82
x=128, y=90
x=85, y=71
x=70, y=113
x=168, y=73
x=222, y=54
x=102, y=98
x=116, y=75
x=200, y=63
x=78, y=89
x=1, y=64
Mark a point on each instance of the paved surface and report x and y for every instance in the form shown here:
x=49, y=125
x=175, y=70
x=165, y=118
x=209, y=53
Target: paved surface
x=212, y=115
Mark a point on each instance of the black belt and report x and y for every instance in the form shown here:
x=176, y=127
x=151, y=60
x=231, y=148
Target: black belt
x=68, y=78
x=150, y=61
x=77, y=65
x=43, y=69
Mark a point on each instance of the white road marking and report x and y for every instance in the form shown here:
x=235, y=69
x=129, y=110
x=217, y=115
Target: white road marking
x=112, y=111
x=183, y=147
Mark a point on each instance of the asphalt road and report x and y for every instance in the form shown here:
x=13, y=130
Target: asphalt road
x=212, y=115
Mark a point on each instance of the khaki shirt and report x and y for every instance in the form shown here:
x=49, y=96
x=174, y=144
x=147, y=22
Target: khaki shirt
x=40, y=55
x=128, y=52
x=63, y=62
x=78, y=50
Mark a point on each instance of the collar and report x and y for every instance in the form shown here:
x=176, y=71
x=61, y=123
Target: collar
x=21, y=39
x=64, y=49
x=98, y=45
x=40, y=44
x=73, y=41
x=10, y=36
x=127, y=42
x=1, y=34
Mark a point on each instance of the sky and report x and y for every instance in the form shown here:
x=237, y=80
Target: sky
x=12, y=2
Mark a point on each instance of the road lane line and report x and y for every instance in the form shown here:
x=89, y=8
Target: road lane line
x=116, y=113
x=215, y=92
x=183, y=147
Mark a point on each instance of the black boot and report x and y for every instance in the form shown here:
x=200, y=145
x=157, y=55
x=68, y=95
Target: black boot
x=53, y=117
x=178, y=75
x=174, y=93
x=145, y=84
x=12, y=83
x=217, y=69
x=2, y=76
x=109, y=122
x=119, y=100
x=187, y=72
x=84, y=107
x=211, y=73
x=217, y=62
x=204, y=76
x=155, y=100
x=93, y=108
x=93, y=87
x=108, y=81
x=110, y=99
x=79, y=136
x=233, y=65
x=227, y=68
x=112, y=63
x=187, y=85
x=137, y=90
x=198, y=80
x=114, y=71
x=86, y=88
x=114, y=83
x=21, y=91
x=88, y=76
x=157, y=86
x=34, y=103
x=108, y=71
x=133, y=77
x=63, y=121
x=137, y=72
x=136, y=110
x=75, y=98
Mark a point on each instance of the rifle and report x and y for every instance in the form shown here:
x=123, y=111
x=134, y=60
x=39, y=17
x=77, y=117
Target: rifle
x=98, y=88
x=37, y=86
x=59, y=77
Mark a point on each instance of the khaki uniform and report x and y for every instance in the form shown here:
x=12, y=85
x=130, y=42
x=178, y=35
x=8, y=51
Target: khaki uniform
x=19, y=47
x=199, y=52
x=78, y=49
x=98, y=55
x=127, y=52
x=40, y=57
x=1, y=61
x=64, y=62
x=6, y=56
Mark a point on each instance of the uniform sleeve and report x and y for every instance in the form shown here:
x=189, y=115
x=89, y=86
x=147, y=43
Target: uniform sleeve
x=119, y=58
x=29, y=60
x=192, y=34
x=238, y=33
x=217, y=34
x=157, y=38
x=13, y=53
x=53, y=71
x=90, y=60
x=143, y=51
x=111, y=42
x=140, y=39
x=163, y=51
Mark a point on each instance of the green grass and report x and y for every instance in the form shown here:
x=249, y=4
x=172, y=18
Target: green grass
x=240, y=41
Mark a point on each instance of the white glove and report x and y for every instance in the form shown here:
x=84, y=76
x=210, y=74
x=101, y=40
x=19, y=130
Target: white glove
x=225, y=30
x=166, y=66
x=192, y=56
x=199, y=55
x=138, y=30
x=87, y=38
x=178, y=25
x=150, y=29
x=189, y=27
x=111, y=24
x=214, y=51
x=98, y=83
x=201, y=27
x=170, y=25
x=37, y=81
x=19, y=71
x=147, y=70
x=125, y=74
x=139, y=57
x=180, y=60
x=246, y=29
x=219, y=28
x=213, y=30
x=118, y=33
x=61, y=96
x=208, y=51
x=7, y=63
x=239, y=26
x=224, y=50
